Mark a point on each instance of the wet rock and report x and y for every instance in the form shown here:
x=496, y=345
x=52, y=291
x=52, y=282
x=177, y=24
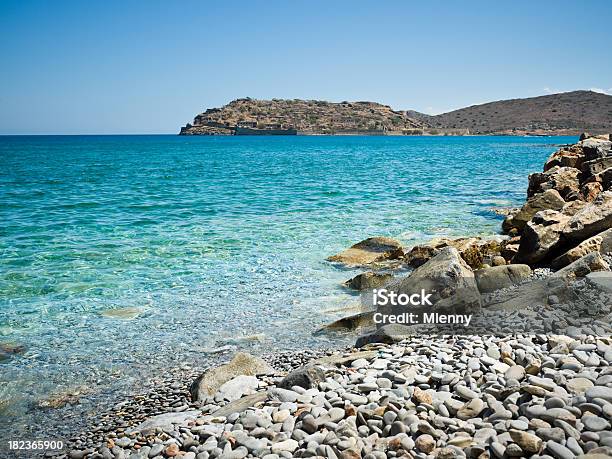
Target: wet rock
x=368, y=280
x=368, y=251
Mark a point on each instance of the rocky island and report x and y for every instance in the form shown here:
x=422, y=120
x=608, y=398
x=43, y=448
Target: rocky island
x=557, y=114
x=530, y=377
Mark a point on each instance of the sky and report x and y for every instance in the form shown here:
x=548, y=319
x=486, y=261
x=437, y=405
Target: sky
x=118, y=67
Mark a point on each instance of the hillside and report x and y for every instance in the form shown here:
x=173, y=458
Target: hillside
x=301, y=116
x=566, y=113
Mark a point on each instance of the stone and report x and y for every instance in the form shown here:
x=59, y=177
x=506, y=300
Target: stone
x=353, y=322
x=209, y=382
x=420, y=396
x=596, y=166
x=172, y=450
x=471, y=409
x=592, y=244
x=595, y=423
x=565, y=180
x=528, y=442
x=559, y=451
x=127, y=313
x=548, y=200
x=447, y=276
x=289, y=445
x=238, y=386
x=388, y=334
x=497, y=277
x=425, y=443
x=578, y=385
x=593, y=219
x=583, y=266
x=238, y=406
x=308, y=376
x=166, y=421
x=572, y=156
x=602, y=392
x=369, y=251
x=590, y=190
x=541, y=236
x=601, y=280
x=368, y=280
x=515, y=372
x=420, y=254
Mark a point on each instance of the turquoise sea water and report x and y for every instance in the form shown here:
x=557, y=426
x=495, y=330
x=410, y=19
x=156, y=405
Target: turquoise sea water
x=212, y=241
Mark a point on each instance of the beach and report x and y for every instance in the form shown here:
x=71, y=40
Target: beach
x=166, y=270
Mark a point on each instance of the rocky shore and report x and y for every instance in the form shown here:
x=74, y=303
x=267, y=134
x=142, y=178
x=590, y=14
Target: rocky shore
x=529, y=377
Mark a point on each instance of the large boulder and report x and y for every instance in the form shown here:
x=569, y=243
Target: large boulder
x=591, y=262
x=541, y=237
x=498, y=277
x=368, y=251
x=595, y=148
x=420, y=254
x=550, y=199
x=447, y=277
x=590, y=190
x=596, y=166
x=566, y=180
x=592, y=244
x=594, y=218
x=572, y=156
x=473, y=250
x=209, y=382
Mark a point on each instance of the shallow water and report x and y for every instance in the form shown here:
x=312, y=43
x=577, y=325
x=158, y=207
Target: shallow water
x=211, y=241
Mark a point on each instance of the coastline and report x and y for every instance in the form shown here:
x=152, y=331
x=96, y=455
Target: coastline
x=394, y=430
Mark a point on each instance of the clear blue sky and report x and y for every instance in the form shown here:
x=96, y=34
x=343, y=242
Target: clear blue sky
x=149, y=66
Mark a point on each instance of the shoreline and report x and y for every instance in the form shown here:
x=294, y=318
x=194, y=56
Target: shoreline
x=173, y=394
x=357, y=406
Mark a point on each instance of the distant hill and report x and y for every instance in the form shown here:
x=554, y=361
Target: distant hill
x=303, y=116
x=566, y=113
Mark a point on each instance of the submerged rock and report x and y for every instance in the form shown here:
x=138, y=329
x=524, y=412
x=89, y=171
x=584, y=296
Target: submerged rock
x=368, y=251
x=368, y=280
x=122, y=313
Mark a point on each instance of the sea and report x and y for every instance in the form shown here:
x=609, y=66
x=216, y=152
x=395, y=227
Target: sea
x=122, y=257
